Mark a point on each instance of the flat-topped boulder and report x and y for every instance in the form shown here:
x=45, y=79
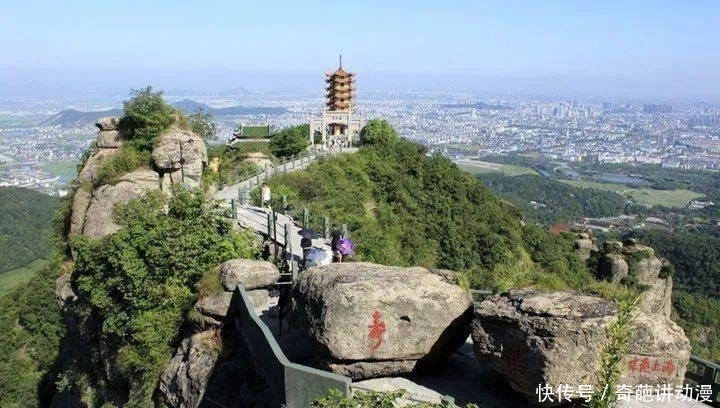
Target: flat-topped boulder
x=108, y=123
x=250, y=273
x=366, y=320
x=533, y=338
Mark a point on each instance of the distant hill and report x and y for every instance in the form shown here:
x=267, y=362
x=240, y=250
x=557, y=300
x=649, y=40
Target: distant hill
x=72, y=117
x=25, y=224
x=189, y=106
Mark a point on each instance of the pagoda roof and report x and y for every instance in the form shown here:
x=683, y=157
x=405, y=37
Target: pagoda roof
x=339, y=73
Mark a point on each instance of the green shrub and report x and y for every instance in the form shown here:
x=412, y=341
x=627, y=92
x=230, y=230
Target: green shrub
x=666, y=271
x=146, y=116
x=141, y=281
x=614, y=351
x=25, y=226
x=370, y=399
x=405, y=208
x=290, y=141
x=378, y=132
x=31, y=329
x=128, y=158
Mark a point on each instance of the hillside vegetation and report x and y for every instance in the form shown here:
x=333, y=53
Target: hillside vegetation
x=134, y=287
x=404, y=208
x=25, y=224
x=690, y=245
x=31, y=330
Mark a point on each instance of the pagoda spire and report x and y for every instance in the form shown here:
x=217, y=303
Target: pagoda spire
x=340, y=65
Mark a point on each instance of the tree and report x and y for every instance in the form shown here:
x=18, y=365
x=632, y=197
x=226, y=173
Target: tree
x=202, y=123
x=290, y=141
x=141, y=281
x=146, y=116
x=378, y=132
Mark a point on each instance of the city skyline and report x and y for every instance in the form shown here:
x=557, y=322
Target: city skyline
x=652, y=50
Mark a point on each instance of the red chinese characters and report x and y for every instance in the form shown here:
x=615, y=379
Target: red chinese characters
x=377, y=330
x=648, y=365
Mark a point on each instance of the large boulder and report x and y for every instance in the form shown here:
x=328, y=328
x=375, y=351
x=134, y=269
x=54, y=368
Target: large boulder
x=534, y=338
x=88, y=174
x=107, y=124
x=185, y=378
x=366, y=320
x=637, y=265
x=183, y=150
x=99, y=215
x=217, y=306
x=656, y=296
x=109, y=139
x=613, y=267
x=81, y=201
x=250, y=273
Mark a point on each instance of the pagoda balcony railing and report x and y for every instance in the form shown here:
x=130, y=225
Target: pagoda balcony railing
x=338, y=80
x=337, y=95
x=347, y=87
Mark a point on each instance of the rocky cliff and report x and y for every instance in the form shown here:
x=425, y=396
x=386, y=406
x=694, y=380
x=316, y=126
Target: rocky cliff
x=211, y=365
x=533, y=338
x=178, y=159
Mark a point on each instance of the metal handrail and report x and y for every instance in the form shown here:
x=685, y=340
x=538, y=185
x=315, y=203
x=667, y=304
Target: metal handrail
x=709, y=376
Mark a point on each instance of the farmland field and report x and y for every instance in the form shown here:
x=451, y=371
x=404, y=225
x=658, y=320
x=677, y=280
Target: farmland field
x=666, y=198
x=481, y=167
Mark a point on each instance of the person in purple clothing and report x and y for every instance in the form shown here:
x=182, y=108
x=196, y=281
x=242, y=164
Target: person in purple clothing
x=336, y=236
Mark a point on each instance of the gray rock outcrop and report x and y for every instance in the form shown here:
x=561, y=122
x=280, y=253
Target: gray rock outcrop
x=63, y=290
x=108, y=123
x=613, y=267
x=216, y=306
x=180, y=150
x=533, y=338
x=638, y=265
x=185, y=378
x=250, y=273
x=99, y=214
x=585, y=245
x=88, y=174
x=109, y=139
x=366, y=320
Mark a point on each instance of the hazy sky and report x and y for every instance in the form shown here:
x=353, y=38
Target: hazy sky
x=650, y=48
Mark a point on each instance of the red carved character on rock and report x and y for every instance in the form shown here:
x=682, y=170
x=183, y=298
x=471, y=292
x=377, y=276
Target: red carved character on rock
x=377, y=329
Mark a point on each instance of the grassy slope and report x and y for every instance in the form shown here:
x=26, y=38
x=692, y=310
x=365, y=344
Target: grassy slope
x=11, y=279
x=666, y=198
x=25, y=223
x=480, y=167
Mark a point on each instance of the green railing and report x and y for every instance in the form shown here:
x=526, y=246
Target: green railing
x=478, y=295
x=291, y=385
x=703, y=372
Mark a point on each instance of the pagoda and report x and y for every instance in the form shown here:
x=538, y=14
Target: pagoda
x=339, y=124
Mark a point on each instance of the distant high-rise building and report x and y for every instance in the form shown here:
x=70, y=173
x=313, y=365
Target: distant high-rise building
x=339, y=123
x=662, y=108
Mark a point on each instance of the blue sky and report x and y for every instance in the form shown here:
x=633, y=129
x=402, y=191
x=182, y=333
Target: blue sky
x=655, y=48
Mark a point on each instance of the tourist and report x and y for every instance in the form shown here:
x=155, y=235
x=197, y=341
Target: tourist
x=336, y=235
x=306, y=245
x=265, y=196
